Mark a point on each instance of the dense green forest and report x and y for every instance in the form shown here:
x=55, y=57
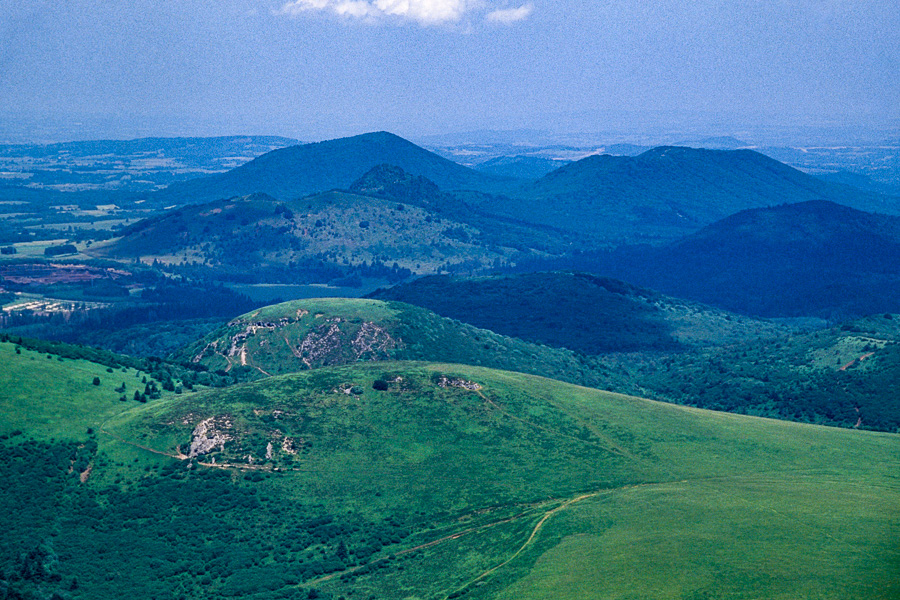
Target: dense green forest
x=847, y=376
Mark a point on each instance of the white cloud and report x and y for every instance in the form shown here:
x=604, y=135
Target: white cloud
x=510, y=15
x=424, y=12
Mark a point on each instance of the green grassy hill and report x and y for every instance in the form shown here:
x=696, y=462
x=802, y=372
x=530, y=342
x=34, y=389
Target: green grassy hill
x=305, y=334
x=49, y=395
x=687, y=353
x=408, y=480
x=259, y=238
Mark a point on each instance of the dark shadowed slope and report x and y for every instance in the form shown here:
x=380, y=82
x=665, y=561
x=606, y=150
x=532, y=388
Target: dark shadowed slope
x=813, y=258
x=579, y=311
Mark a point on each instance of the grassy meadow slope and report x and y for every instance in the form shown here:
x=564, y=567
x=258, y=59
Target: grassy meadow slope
x=446, y=481
x=305, y=334
x=47, y=395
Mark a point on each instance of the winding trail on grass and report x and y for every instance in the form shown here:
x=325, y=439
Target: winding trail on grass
x=178, y=456
x=608, y=491
x=477, y=529
x=441, y=540
x=534, y=532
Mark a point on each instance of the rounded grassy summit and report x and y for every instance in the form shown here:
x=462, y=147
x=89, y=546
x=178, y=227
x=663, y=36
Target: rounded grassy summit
x=423, y=480
x=306, y=334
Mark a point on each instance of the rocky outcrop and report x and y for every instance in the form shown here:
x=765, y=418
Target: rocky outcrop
x=210, y=434
x=372, y=342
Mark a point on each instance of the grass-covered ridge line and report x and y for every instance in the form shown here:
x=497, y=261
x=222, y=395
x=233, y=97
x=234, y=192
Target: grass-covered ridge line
x=159, y=369
x=60, y=396
x=437, y=481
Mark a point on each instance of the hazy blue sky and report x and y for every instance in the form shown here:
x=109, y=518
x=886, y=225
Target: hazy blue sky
x=321, y=68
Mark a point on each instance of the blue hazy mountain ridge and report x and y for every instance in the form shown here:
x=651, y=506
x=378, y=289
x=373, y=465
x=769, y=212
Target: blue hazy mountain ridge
x=659, y=195
x=809, y=258
x=671, y=191
x=860, y=181
x=297, y=171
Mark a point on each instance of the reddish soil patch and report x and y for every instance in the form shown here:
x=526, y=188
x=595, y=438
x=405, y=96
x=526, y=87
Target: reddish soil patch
x=856, y=360
x=49, y=273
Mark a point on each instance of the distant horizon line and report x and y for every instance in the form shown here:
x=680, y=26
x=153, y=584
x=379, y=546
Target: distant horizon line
x=525, y=136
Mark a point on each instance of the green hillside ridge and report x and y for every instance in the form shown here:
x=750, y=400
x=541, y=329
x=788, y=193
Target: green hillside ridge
x=49, y=394
x=390, y=182
x=677, y=351
x=579, y=311
x=321, y=237
x=444, y=481
x=669, y=192
x=307, y=334
x=393, y=183
x=259, y=237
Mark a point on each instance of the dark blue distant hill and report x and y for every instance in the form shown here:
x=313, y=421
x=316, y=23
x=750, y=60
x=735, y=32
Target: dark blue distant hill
x=579, y=311
x=669, y=192
x=812, y=258
x=297, y=171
